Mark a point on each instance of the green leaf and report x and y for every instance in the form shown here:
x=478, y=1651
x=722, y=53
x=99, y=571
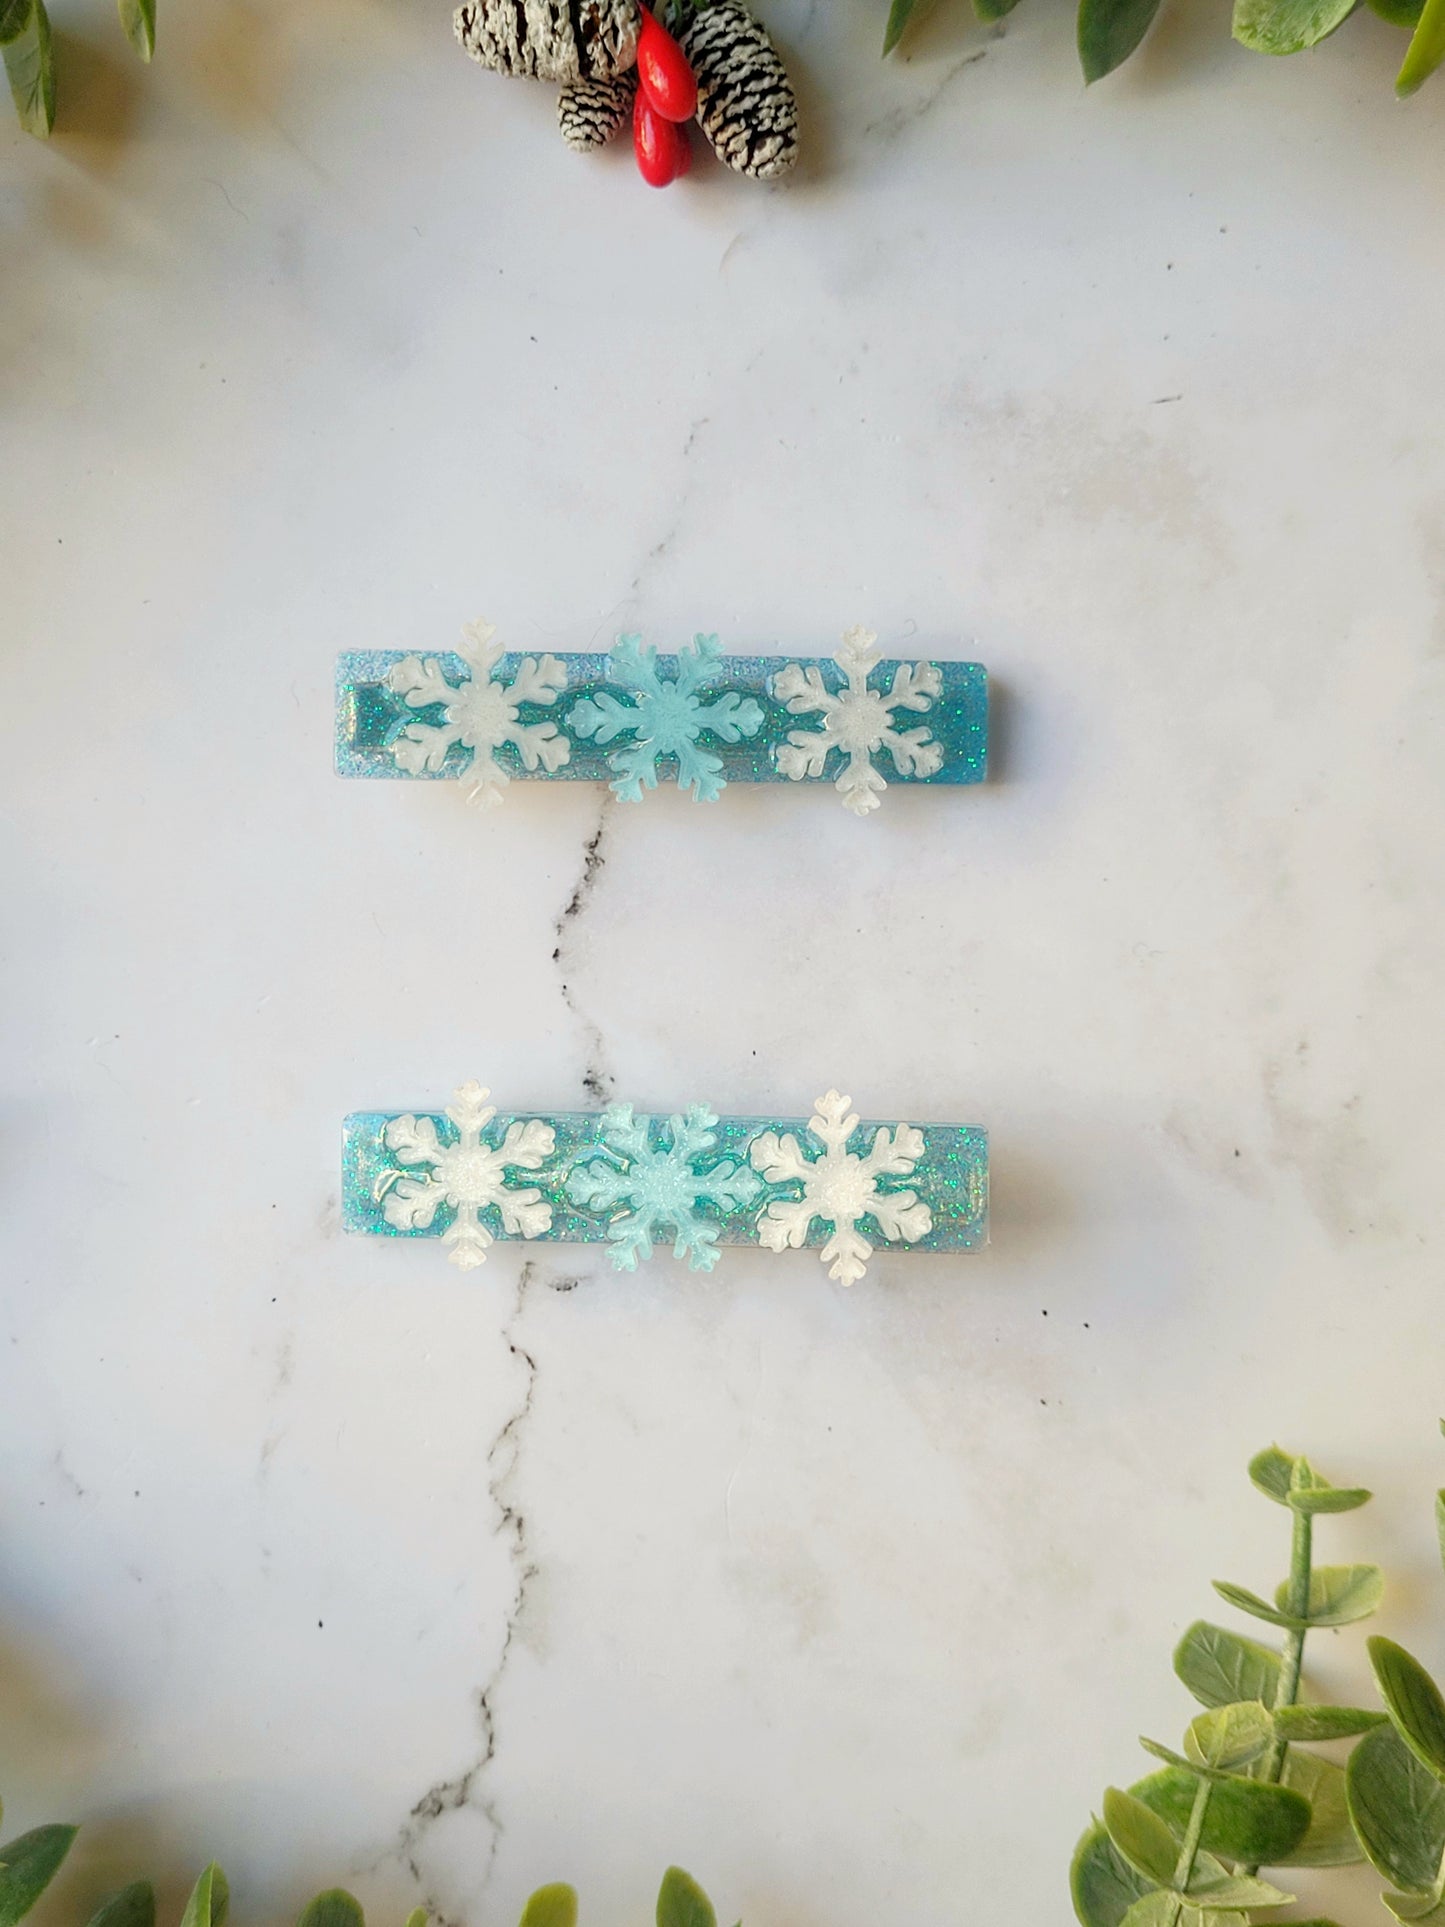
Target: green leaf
x=1250, y=1821
x=1216, y=1889
x=138, y=17
x=899, y=15
x=1339, y=1595
x=1141, y=1836
x=1421, y=1910
x=1158, y=1909
x=1413, y=1701
x=14, y=14
x=418, y=1917
x=1109, y=31
x=27, y=1867
x=1331, y=1840
x=1426, y=49
x=1230, y=1736
x=1103, y=1884
x=30, y=69
x=334, y=1908
x=1220, y=1667
x=1272, y=1473
x=133, y=1906
x=1294, y=1723
x=682, y=1903
x=991, y=10
x=554, y=1906
x=1251, y=1603
x=1398, y=1809
x=1279, y=1475
x=210, y=1900
x=1440, y=1523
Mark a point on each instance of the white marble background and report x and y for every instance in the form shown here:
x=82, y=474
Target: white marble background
x=327, y=1560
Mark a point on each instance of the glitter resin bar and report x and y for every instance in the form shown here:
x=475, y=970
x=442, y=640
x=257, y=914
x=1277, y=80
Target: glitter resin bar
x=632, y=718
x=469, y=1175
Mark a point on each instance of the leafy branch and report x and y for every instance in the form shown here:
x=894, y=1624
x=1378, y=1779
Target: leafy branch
x=29, y=1863
x=1108, y=31
x=1396, y=1779
x=1184, y=1846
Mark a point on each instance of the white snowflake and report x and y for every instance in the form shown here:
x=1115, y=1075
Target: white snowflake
x=481, y=714
x=858, y=721
x=840, y=1187
x=468, y=1175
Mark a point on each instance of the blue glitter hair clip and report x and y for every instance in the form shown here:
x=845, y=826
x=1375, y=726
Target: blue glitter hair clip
x=854, y=719
x=469, y=1176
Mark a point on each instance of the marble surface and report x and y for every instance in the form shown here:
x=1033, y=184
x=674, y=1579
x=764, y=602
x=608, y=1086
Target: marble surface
x=332, y=1562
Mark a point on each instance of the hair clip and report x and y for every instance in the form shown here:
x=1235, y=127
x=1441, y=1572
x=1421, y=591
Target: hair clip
x=631, y=716
x=469, y=1175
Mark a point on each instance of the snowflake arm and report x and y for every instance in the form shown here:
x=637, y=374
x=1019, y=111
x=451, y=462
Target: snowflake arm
x=838, y=1187
x=651, y=1188
x=480, y=714
x=778, y=1158
x=602, y=716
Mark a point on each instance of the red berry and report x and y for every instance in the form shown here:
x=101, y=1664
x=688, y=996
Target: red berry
x=660, y=145
x=663, y=72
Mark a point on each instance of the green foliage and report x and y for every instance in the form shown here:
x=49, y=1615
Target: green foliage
x=334, y=1908
x=133, y=1906
x=29, y=1863
x=1330, y=1841
x=1183, y=1847
x=1108, y=31
x=1248, y=1821
x=1220, y=1667
x=210, y=1900
x=899, y=14
x=1398, y=1809
x=1426, y=49
x=138, y=18
x=27, y=1867
x=29, y=54
x=554, y=1906
x=682, y=1903
x=1413, y=1703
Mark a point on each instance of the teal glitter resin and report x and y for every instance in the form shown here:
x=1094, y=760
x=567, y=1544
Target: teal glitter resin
x=829, y=1182
x=626, y=718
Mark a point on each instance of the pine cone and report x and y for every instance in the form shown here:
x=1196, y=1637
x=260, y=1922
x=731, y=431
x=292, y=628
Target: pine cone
x=590, y=112
x=560, y=40
x=745, y=103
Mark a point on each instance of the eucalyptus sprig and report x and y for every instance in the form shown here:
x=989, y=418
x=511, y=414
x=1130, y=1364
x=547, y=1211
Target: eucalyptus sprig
x=1184, y=1846
x=30, y=1862
x=1108, y=31
x=1396, y=1779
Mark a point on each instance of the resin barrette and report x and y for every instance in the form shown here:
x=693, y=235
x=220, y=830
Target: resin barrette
x=469, y=1175
x=631, y=716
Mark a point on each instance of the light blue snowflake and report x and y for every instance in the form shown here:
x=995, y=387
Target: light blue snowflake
x=665, y=719
x=654, y=1190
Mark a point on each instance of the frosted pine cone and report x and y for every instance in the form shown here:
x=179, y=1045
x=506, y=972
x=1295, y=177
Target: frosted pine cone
x=590, y=112
x=745, y=103
x=560, y=40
